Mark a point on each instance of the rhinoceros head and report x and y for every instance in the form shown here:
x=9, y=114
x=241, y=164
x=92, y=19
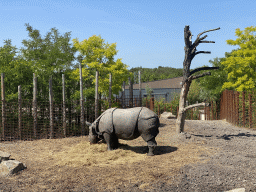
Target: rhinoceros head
x=92, y=133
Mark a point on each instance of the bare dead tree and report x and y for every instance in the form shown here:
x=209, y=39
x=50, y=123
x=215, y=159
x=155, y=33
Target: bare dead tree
x=190, y=53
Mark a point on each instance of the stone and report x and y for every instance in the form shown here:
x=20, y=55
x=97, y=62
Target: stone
x=168, y=115
x=9, y=166
x=237, y=190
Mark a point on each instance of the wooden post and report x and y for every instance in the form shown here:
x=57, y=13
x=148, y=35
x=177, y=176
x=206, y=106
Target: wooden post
x=19, y=110
x=131, y=92
x=34, y=105
x=81, y=102
x=64, y=106
x=243, y=100
x=237, y=108
x=250, y=110
x=123, y=95
x=140, y=99
x=51, y=107
x=152, y=103
x=96, y=96
x=205, y=113
x=3, y=105
x=212, y=117
x=110, y=89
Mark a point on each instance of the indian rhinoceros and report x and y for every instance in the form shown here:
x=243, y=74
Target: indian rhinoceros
x=126, y=124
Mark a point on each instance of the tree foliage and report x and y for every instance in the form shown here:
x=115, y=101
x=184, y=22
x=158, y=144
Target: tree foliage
x=154, y=74
x=50, y=56
x=241, y=65
x=211, y=86
x=98, y=55
x=17, y=72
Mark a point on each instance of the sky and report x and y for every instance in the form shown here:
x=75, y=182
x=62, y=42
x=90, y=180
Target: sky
x=148, y=33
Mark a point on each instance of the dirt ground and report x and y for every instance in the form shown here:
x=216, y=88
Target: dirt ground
x=209, y=156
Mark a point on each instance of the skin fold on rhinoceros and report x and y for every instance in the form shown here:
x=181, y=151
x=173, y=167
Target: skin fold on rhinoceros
x=126, y=124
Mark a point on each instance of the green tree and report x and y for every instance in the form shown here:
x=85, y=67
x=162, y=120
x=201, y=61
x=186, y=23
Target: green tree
x=241, y=64
x=17, y=72
x=98, y=55
x=51, y=57
x=211, y=86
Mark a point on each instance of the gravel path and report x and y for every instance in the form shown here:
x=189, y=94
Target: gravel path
x=233, y=166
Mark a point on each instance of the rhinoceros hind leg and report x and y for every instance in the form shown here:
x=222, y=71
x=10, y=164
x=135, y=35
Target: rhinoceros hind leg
x=151, y=146
x=111, y=140
x=115, y=141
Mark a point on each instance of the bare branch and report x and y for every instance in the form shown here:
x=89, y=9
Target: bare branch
x=202, y=38
x=199, y=40
x=207, y=31
x=190, y=78
x=207, y=42
x=198, y=76
x=203, y=68
x=195, y=105
x=208, y=52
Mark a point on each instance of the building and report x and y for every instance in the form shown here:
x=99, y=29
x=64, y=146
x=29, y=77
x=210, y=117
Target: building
x=166, y=88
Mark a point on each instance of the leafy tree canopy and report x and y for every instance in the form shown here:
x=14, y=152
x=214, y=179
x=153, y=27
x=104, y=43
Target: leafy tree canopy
x=154, y=74
x=17, y=72
x=97, y=55
x=211, y=86
x=50, y=56
x=241, y=64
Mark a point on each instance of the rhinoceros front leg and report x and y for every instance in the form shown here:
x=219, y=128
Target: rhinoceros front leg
x=151, y=146
x=111, y=140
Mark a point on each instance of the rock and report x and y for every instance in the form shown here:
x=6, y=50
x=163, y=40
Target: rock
x=168, y=115
x=237, y=190
x=9, y=167
x=4, y=156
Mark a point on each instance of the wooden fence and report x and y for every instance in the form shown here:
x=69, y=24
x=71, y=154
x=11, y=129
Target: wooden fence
x=30, y=119
x=238, y=108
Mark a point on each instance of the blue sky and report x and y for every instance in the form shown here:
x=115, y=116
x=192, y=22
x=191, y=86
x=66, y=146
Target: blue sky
x=148, y=33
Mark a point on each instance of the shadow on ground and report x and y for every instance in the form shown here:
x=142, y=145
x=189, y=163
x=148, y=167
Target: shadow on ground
x=162, y=124
x=159, y=150
x=228, y=137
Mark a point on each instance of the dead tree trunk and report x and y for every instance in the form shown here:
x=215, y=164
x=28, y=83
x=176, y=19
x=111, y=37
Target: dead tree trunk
x=190, y=53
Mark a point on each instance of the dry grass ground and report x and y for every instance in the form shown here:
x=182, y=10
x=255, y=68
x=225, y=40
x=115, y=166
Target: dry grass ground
x=72, y=164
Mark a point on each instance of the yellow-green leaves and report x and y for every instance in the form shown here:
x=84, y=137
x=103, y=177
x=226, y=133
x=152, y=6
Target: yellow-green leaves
x=241, y=64
x=98, y=55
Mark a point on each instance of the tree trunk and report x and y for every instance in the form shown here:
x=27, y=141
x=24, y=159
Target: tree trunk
x=180, y=122
x=190, y=53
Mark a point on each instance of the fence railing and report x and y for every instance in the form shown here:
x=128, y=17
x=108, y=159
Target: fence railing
x=22, y=120
x=238, y=108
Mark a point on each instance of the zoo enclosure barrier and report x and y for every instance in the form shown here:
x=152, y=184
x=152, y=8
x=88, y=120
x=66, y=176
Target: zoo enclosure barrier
x=22, y=120
x=239, y=108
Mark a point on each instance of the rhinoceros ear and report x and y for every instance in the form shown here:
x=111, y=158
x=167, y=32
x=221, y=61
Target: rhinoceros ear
x=87, y=123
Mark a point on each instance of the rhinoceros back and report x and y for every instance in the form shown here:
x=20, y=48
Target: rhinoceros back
x=125, y=122
x=148, y=123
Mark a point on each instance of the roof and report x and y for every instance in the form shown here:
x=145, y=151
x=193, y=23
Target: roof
x=173, y=83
